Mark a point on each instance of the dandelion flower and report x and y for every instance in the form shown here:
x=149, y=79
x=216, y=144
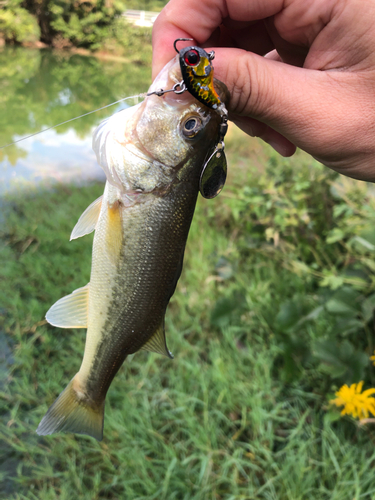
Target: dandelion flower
x=355, y=402
x=372, y=358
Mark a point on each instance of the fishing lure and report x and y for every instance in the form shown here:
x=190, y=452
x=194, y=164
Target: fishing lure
x=198, y=78
x=197, y=73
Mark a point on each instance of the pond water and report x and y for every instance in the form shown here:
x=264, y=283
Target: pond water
x=41, y=88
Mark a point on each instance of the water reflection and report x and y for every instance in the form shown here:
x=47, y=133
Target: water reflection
x=40, y=88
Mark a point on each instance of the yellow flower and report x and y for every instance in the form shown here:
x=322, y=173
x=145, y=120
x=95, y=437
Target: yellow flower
x=356, y=404
x=373, y=358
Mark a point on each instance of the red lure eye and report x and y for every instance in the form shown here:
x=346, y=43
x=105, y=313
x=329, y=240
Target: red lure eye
x=192, y=58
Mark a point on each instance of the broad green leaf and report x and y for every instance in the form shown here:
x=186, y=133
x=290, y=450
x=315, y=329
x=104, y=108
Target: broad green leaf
x=335, y=235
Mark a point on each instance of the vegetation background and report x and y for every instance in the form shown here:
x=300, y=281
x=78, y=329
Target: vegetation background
x=88, y=24
x=274, y=312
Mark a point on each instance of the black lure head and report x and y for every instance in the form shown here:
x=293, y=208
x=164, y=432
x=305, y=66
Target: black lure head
x=197, y=73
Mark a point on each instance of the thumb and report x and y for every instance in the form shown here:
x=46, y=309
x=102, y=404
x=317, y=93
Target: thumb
x=314, y=110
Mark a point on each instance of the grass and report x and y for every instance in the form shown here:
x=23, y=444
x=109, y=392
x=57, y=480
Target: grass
x=242, y=411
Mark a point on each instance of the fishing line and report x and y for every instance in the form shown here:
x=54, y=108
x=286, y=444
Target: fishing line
x=71, y=119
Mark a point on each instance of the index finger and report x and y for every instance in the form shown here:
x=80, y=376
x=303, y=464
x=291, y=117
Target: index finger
x=198, y=19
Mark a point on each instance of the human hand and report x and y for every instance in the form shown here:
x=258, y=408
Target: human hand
x=315, y=87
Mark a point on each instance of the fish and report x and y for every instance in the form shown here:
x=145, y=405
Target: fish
x=152, y=154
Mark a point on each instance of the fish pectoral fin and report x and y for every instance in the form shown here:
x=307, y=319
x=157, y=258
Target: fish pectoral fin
x=71, y=310
x=87, y=222
x=157, y=343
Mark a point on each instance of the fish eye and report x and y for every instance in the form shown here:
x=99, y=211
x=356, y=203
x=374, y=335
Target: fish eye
x=191, y=126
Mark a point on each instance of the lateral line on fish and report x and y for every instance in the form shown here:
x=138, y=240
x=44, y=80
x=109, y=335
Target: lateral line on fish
x=71, y=119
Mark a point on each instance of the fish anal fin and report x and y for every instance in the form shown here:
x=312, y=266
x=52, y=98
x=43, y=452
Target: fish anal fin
x=70, y=311
x=157, y=343
x=87, y=222
x=72, y=412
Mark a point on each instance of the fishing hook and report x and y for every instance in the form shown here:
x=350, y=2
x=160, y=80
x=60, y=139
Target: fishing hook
x=181, y=40
x=211, y=55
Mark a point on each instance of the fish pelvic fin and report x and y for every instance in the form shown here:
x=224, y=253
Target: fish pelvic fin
x=70, y=311
x=157, y=343
x=88, y=220
x=113, y=233
x=72, y=412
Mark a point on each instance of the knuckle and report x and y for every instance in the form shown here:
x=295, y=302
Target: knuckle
x=250, y=90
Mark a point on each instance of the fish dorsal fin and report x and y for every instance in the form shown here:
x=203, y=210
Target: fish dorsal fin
x=157, y=343
x=71, y=310
x=87, y=222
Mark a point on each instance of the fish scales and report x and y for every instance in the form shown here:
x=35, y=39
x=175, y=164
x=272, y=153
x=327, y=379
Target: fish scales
x=153, y=155
x=154, y=236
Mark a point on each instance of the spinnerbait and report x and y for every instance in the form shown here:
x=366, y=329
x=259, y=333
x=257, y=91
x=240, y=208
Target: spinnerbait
x=198, y=78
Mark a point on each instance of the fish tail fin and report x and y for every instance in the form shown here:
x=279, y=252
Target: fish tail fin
x=72, y=412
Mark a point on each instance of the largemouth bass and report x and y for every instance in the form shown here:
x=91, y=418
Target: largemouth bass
x=153, y=155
